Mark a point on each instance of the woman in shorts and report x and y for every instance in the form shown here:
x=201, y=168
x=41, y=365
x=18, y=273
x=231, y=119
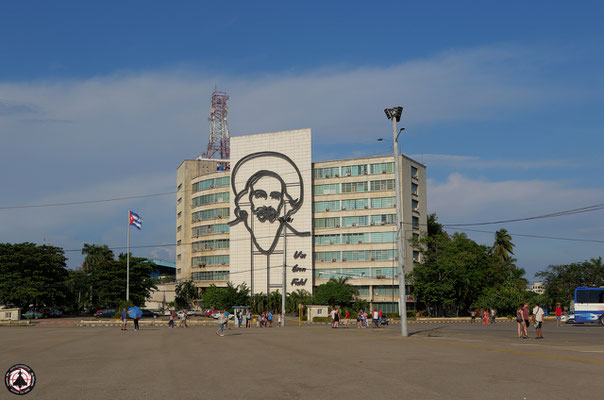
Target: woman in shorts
x=520, y=322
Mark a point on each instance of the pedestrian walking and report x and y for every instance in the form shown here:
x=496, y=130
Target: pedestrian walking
x=473, y=315
x=239, y=318
x=337, y=321
x=538, y=320
x=136, y=328
x=485, y=317
x=359, y=318
x=492, y=315
x=558, y=315
x=520, y=323
x=124, y=319
x=226, y=319
x=172, y=317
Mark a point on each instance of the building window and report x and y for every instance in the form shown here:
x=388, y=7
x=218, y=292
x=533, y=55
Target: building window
x=210, y=275
x=178, y=242
x=179, y=186
x=179, y=271
x=215, y=244
x=178, y=256
x=329, y=172
x=321, y=206
x=384, y=290
x=210, y=214
x=327, y=256
x=327, y=189
x=383, y=202
x=179, y=214
x=382, y=237
x=327, y=222
x=327, y=239
x=357, y=255
x=386, y=184
x=382, y=255
x=383, y=219
x=355, y=204
x=415, y=205
x=210, y=229
x=179, y=228
x=362, y=290
x=414, y=189
x=179, y=200
x=382, y=168
x=414, y=172
x=354, y=187
x=210, y=199
x=211, y=183
x=415, y=222
x=416, y=236
x=415, y=256
x=354, y=170
x=357, y=220
x=210, y=260
x=355, y=238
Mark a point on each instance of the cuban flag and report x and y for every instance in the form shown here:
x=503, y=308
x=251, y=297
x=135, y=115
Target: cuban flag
x=135, y=220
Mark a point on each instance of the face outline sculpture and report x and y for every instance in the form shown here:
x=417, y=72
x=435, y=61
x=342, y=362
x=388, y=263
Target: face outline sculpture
x=269, y=200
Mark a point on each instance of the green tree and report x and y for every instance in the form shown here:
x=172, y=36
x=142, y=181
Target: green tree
x=297, y=297
x=560, y=281
x=96, y=255
x=225, y=297
x=186, y=292
x=32, y=274
x=503, y=248
x=335, y=292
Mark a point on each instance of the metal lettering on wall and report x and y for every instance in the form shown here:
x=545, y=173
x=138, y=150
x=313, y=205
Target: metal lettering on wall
x=269, y=201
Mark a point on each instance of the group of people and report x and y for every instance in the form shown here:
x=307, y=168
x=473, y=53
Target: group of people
x=362, y=318
x=125, y=320
x=182, y=318
x=523, y=322
x=266, y=319
x=335, y=318
x=487, y=315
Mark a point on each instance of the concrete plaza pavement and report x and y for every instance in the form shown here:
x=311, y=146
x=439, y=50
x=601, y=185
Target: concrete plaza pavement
x=448, y=361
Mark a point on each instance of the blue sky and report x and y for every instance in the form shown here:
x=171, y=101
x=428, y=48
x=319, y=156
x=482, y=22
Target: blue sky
x=502, y=103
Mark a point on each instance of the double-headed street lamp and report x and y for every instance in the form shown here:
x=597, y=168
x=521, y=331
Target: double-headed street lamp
x=394, y=114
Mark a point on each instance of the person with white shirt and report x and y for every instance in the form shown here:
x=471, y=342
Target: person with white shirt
x=538, y=320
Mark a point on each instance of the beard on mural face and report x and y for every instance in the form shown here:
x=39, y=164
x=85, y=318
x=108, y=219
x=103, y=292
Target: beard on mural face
x=266, y=213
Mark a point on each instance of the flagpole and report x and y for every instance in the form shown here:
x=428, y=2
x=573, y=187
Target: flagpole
x=128, y=262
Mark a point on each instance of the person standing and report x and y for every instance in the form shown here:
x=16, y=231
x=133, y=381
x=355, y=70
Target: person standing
x=473, y=315
x=220, y=330
x=270, y=319
x=124, y=319
x=558, y=315
x=520, y=323
x=380, y=314
x=279, y=320
x=333, y=317
x=248, y=319
x=226, y=319
x=172, y=316
x=239, y=318
x=136, y=328
x=375, y=317
x=347, y=318
x=538, y=320
x=525, y=317
x=492, y=315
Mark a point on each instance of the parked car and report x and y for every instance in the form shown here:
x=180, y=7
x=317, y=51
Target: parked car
x=217, y=313
x=149, y=313
x=384, y=321
x=105, y=313
x=33, y=313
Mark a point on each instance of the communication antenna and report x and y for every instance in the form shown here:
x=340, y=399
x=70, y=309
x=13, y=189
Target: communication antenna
x=219, y=144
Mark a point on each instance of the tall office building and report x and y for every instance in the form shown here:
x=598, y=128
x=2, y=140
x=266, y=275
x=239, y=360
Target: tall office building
x=274, y=206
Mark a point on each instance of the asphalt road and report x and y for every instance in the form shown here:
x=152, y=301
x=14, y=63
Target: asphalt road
x=448, y=361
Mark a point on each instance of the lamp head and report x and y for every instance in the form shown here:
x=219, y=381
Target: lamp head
x=394, y=112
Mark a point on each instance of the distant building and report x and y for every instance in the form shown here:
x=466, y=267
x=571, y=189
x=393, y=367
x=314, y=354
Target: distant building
x=536, y=287
x=163, y=269
x=336, y=218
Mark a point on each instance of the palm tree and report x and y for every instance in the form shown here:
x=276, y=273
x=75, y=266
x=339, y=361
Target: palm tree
x=96, y=255
x=503, y=248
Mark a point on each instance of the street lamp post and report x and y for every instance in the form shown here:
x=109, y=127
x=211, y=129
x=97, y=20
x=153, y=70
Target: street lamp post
x=394, y=114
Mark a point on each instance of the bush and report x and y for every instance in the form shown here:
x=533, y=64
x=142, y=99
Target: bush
x=321, y=319
x=411, y=313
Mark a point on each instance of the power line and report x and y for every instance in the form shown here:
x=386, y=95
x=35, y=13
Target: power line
x=73, y=203
x=595, y=207
x=536, y=236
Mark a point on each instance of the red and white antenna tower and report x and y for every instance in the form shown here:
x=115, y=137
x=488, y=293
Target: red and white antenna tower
x=219, y=144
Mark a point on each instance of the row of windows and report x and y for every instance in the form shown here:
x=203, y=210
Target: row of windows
x=355, y=255
x=215, y=244
x=210, y=229
x=356, y=273
x=354, y=204
x=210, y=260
x=355, y=170
x=210, y=214
x=355, y=238
x=356, y=220
x=355, y=187
x=211, y=183
x=210, y=199
x=210, y=276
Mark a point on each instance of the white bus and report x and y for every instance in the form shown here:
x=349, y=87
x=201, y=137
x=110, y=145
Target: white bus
x=589, y=305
